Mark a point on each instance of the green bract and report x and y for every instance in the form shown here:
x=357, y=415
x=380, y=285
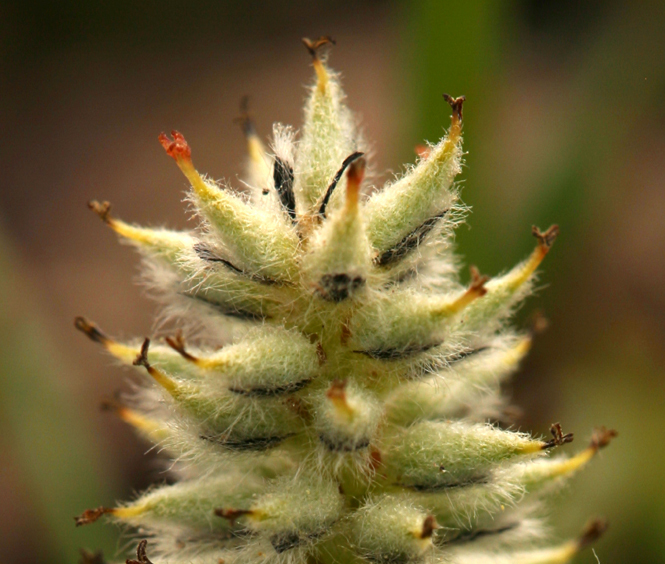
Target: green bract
x=355, y=415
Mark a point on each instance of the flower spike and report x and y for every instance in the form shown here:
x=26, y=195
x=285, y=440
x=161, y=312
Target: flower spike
x=339, y=395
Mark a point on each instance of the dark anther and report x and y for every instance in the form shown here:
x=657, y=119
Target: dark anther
x=347, y=161
x=177, y=343
x=559, y=438
x=141, y=555
x=283, y=179
x=456, y=104
x=313, y=46
x=547, y=238
x=90, y=330
x=231, y=514
x=91, y=515
x=103, y=210
x=142, y=358
x=592, y=532
x=602, y=437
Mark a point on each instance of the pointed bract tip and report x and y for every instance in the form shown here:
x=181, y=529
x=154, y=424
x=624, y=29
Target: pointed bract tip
x=141, y=554
x=546, y=239
x=90, y=330
x=102, y=209
x=456, y=104
x=602, y=437
x=91, y=515
x=314, y=45
x=176, y=147
x=558, y=437
x=592, y=532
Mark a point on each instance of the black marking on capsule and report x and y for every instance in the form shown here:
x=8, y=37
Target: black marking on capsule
x=470, y=536
x=481, y=479
x=282, y=543
x=248, y=444
x=270, y=392
x=343, y=445
x=206, y=254
x=409, y=243
x=227, y=309
x=286, y=541
x=395, y=557
x=462, y=355
x=395, y=353
x=338, y=175
x=338, y=287
x=282, y=174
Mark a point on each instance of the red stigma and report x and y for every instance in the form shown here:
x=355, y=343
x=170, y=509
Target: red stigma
x=176, y=148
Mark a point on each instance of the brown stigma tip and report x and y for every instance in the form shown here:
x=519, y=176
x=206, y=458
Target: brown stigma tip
x=245, y=119
x=91, y=515
x=110, y=404
x=337, y=390
x=356, y=171
x=90, y=330
x=429, y=526
x=315, y=45
x=592, y=532
x=321, y=353
x=102, y=209
x=141, y=554
x=177, y=343
x=546, y=239
x=176, y=147
x=232, y=514
x=478, y=282
x=142, y=358
x=558, y=437
x=456, y=104
x=88, y=557
x=538, y=323
x=602, y=437
x=422, y=151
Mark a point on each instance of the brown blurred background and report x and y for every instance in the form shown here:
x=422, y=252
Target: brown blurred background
x=564, y=122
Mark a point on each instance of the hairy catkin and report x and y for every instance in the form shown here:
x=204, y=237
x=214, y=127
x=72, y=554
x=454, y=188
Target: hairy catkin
x=355, y=416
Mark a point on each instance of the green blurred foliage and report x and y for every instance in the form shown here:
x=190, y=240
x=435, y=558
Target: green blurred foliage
x=46, y=435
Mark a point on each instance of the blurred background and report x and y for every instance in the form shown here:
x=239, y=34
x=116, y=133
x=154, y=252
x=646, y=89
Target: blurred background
x=564, y=122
